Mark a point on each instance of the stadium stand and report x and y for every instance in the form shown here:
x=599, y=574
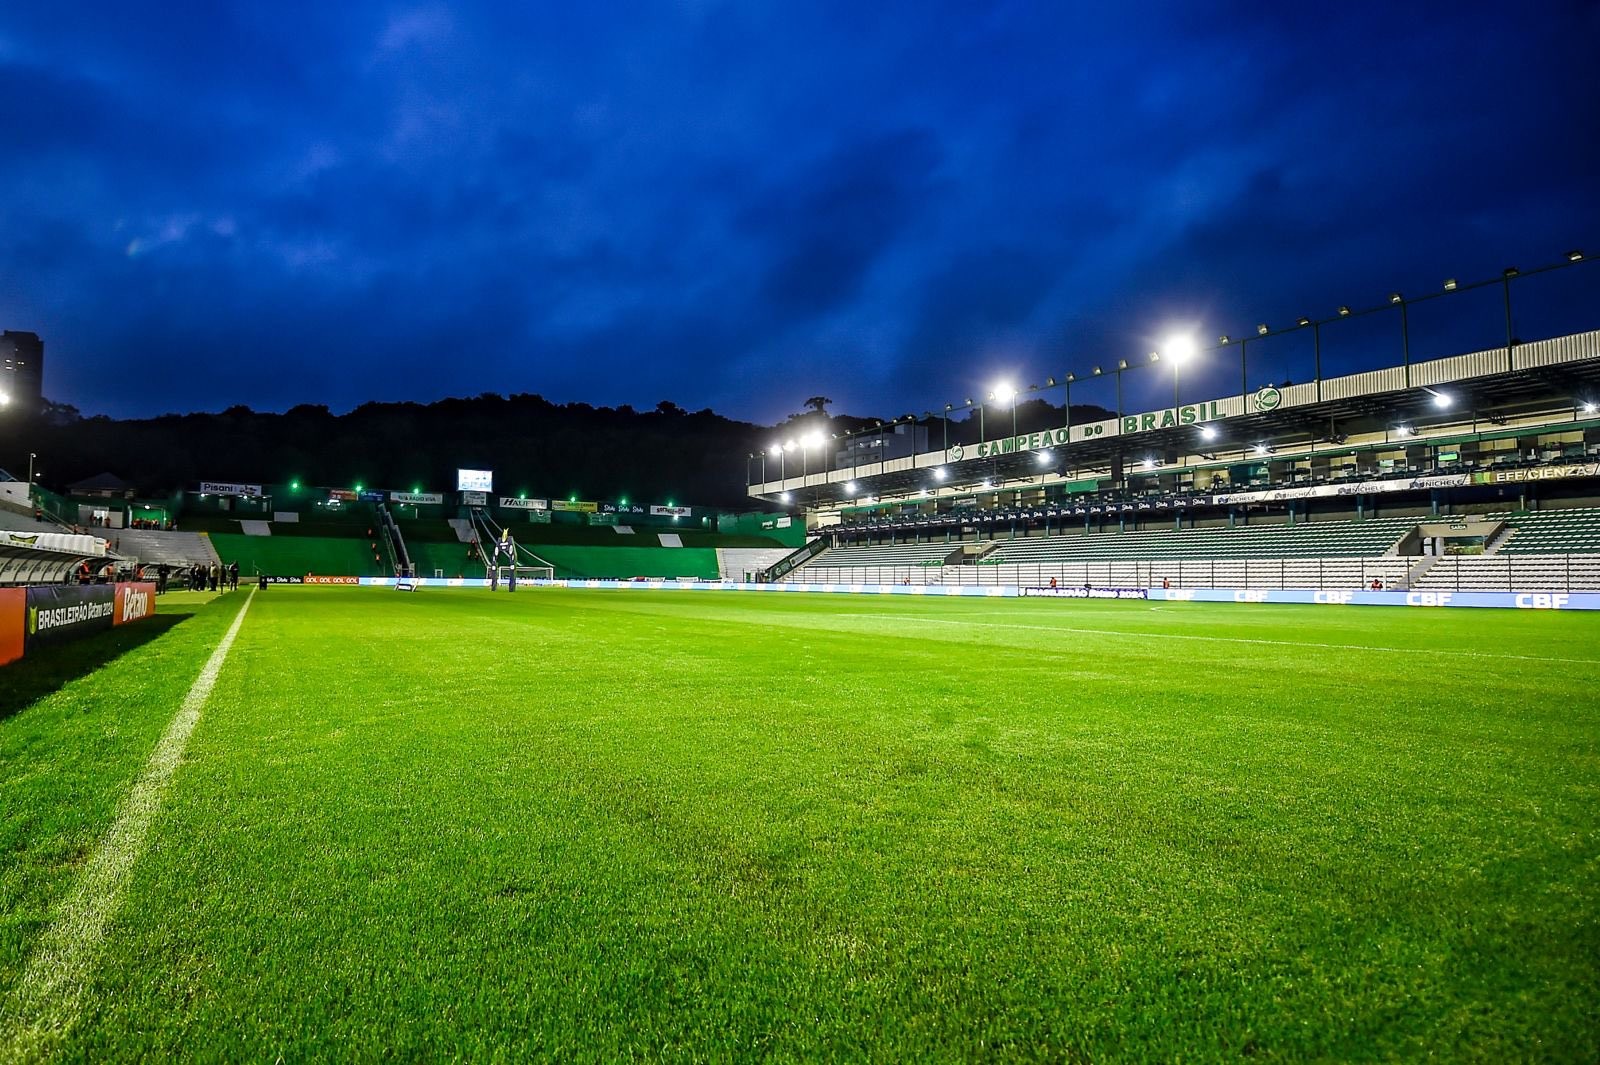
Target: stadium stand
x=1554, y=532
x=1522, y=573
x=886, y=555
x=735, y=563
x=155, y=546
x=298, y=555
x=625, y=562
x=1323, y=539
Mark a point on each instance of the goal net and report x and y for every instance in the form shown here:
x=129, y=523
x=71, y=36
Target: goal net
x=523, y=573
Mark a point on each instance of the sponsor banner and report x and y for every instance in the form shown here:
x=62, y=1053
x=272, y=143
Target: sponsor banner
x=1356, y=488
x=282, y=580
x=370, y=497
x=1087, y=593
x=13, y=609
x=224, y=488
x=602, y=519
x=475, y=499
x=1537, y=473
x=539, y=517
x=579, y=506
x=416, y=497
x=518, y=503
x=135, y=601
x=343, y=495
x=475, y=481
x=312, y=578
x=57, y=613
x=1502, y=600
x=670, y=512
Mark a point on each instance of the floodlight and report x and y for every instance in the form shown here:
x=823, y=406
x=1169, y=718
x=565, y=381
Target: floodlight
x=939, y=473
x=294, y=486
x=850, y=486
x=1443, y=400
x=1589, y=408
x=1262, y=449
x=1395, y=297
x=1208, y=432
x=986, y=483
x=5, y=398
x=788, y=445
x=1003, y=392
x=1224, y=339
x=784, y=497
x=1510, y=271
x=1574, y=256
x=775, y=450
x=1450, y=284
x=1148, y=464
x=1344, y=312
x=1046, y=457
x=812, y=439
x=1402, y=430
x=1180, y=348
x=1302, y=321
x=1262, y=330
x=358, y=488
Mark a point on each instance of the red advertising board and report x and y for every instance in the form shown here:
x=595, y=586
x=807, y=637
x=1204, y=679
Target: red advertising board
x=136, y=600
x=13, y=608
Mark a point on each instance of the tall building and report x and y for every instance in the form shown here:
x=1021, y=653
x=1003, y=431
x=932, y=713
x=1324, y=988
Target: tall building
x=22, y=369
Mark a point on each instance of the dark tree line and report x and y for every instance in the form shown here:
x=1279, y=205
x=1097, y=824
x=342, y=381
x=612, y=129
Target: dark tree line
x=532, y=444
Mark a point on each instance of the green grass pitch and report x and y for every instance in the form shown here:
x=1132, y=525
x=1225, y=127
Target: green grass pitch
x=607, y=825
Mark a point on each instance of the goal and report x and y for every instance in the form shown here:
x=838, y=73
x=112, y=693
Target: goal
x=523, y=573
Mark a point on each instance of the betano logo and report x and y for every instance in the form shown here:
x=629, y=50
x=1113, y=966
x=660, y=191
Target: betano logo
x=135, y=605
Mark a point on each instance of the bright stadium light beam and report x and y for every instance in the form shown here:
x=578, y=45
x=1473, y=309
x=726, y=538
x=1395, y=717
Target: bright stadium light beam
x=1402, y=430
x=1443, y=400
x=788, y=445
x=812, y=439
x=1004, y=393
x=939, y=473
x=1589, y=408
x=785, y=496
x=1148, y=464
x=775, y=450
x=1179, y=348
x=1046, y=457
x=850, y=487
x=1208, y=432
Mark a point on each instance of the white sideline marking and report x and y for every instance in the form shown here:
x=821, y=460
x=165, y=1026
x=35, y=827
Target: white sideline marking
x=1236, y=639
x=45, y=1001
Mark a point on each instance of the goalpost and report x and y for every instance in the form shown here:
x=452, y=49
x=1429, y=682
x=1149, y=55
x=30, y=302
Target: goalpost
x=504, y=574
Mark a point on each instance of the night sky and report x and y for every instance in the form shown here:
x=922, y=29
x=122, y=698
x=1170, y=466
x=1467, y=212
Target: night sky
x=739, y=205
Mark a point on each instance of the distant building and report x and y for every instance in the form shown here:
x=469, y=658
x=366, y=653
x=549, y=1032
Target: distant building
x=22, y=369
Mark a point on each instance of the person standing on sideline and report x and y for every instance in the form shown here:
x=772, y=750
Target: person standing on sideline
x=233, y=576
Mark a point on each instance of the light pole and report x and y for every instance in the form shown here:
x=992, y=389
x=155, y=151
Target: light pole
x=1177, y=350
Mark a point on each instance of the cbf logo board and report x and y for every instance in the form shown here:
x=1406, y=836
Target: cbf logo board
x=1268, y=399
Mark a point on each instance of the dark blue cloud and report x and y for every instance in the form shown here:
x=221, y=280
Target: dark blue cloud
x=743, y=204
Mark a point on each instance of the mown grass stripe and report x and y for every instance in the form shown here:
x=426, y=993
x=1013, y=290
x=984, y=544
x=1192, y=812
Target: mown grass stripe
x=1449, y=651
x=45, y=1001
